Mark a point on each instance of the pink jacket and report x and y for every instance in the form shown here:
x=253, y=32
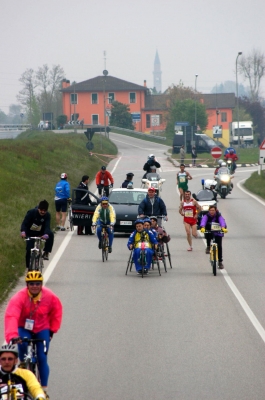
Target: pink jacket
x=48, y=314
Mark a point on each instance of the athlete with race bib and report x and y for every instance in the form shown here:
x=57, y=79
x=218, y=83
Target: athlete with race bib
x=189, y=209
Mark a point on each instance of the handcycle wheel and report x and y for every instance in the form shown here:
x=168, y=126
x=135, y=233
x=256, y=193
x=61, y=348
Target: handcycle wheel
x=163, y=257
x=157, y=262
x=129, y=262
x=169, y=255
x=142, y=261
x=214, y=262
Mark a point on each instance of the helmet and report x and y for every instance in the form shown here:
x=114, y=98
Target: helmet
x=10, y=348
x=104, y=198
x=231, y=151
x=151, y=156
x=209, y=184
x=63, y=175
x=147, y=219
x=34, y=276
x=153, y=217
x=223, y=164
x=103, y=168
x=220, y=162
x=130, y=185
x=139, y=221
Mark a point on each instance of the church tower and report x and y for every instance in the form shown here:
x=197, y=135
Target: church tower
x=157, y=74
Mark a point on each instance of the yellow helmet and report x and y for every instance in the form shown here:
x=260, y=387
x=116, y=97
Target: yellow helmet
x=34, y=276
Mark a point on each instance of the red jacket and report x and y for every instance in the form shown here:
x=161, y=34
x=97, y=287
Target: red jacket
x=47, y=315
x=104, y=177
x=233, y=157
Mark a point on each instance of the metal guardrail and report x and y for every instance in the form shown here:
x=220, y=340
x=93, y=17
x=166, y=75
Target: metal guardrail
x=14, y=127
x=137, y=133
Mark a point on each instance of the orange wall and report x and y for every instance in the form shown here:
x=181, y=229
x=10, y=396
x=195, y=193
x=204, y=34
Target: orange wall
x=212, y=121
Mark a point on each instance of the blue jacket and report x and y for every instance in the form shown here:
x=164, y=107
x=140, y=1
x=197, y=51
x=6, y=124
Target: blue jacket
x=147, y=208
x=62, y=190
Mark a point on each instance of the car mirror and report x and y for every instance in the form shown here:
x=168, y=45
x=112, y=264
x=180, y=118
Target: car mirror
x=194, y=196
x=162, y=180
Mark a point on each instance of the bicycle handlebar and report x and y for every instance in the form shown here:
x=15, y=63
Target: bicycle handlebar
x=35, y=238
x=30, y=340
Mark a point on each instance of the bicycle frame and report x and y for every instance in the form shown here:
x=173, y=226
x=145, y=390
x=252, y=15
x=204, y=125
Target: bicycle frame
x=213, y=252
x=36, y=260
x=105, y=242
x=30, y=358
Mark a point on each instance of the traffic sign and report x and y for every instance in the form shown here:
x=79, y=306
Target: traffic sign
x=262, y=146
x=90, y=146
x=216, y=152
x=182, y=123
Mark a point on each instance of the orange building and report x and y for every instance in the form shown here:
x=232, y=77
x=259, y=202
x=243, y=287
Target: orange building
x=89, y=99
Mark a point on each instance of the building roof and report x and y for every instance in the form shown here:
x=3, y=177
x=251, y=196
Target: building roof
x=218, y=100
x=96, y=84
x=156, y=102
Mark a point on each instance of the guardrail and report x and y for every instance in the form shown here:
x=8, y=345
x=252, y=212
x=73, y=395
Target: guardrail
x=14, y=127
x=137, y=133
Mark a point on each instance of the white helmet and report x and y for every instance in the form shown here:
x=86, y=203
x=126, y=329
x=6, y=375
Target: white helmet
x=209, y=184
x=220, y=162
x=151, y=156
x=9, y=348
x=223, y=164
x=63, y=175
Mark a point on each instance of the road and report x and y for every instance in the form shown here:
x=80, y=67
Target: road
x=185, y=335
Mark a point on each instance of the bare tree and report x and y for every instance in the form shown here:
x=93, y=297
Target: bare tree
x=252, y=67
x=27, y=95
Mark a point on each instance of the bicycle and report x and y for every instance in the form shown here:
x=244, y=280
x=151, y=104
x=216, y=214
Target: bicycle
x=13, y=391
x=36, y=260
x=70, y=214
x=214, y=247
x=103, y=193
x=105, y=242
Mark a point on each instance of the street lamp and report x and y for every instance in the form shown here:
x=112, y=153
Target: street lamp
x=195, y=118
x=238, y=54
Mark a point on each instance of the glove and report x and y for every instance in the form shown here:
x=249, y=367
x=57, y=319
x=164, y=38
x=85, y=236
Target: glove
x=111, y=185
x=69, y=199
x=202, y=230
x=224, y=230
x=45, y=237
x=23, y=234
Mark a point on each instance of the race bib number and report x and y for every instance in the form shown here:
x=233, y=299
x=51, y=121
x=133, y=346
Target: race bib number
x=102, y=182
x=139, y=245
x=182, y=179
x=215, y=226
x=188, y=213
x=29, y=324
x=35, y=227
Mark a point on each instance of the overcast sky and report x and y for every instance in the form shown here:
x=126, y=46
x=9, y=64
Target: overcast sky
x=192, y=37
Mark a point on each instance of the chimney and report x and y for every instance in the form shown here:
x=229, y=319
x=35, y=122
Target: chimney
x=65, y=83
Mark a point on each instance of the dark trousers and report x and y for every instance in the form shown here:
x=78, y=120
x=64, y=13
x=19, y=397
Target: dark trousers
x=218, y=240
x=87, y=230
x=47, y=248
x=100, y=187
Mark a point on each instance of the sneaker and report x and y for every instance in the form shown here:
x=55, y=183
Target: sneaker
x=45, y=255
x=110, y=249
x=207, y=250
x=46, y=394
x=99, y=245
x=62, y=228
x=146, y=271
x=139, y=272
x=220, y=265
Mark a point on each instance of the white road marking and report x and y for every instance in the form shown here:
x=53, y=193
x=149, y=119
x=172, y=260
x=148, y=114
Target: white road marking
x=247, y=192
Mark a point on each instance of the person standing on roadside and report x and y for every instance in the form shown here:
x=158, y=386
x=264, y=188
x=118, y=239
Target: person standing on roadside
x=62, y=193
x=189, y=209
x=129, y=178
x=193, y=155
x=83, y=198
x=182, y=154
x=182, y=180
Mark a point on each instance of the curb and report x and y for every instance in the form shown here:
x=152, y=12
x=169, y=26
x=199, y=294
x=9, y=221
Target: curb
x=176, y=164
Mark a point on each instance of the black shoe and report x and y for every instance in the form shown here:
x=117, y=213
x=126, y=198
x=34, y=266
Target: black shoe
x=45, y=255
x=99, y=245
x=110, y=249
x=146, y=271
x=63, y=228
x=207, y=250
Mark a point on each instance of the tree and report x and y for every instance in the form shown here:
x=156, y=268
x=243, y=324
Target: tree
x=229, y=87
x=14, y=113
x=61, y=120
x=184, y=111
x=252, y=67
x=49, y=82
x=27, y=96
x=120, y=115
x=3, y=117
x=257, y=112
x=179, y=92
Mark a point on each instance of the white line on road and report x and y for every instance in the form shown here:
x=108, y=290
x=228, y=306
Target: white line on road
x=247, y=192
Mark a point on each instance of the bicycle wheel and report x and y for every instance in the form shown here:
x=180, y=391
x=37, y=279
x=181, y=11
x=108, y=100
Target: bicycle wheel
x=214, y=262
x=163, y=258
x=41, y=265
x=103, y=248
x=34, y=262
x=157, y=262
x=129, y=262
x=70, y=218
x=169, y=255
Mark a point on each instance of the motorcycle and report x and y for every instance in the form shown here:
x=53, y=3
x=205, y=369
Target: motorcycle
x=205, y=199
x=224, y=185
x=153, y=180
x=231, y=166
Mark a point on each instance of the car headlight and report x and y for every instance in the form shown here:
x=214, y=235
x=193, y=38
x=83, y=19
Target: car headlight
x=225, y=178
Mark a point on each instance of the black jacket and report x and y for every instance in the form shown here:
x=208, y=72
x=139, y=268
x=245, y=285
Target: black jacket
x=35, y=224
x=149, y=164
x=82, y=197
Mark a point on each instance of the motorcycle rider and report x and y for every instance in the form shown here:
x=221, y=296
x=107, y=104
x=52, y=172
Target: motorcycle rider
x=219, y=165
x=151, y=160
x=223, y=170
x=153, y=173
x=233, y=157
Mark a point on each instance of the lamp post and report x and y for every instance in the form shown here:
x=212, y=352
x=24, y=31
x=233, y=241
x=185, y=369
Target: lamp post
x=238, y=54
x=195, y=100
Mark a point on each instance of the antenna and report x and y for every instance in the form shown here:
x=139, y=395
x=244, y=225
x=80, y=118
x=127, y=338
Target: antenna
x=104, y=53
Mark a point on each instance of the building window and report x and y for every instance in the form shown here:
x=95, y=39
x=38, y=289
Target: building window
x=73, y=98
x=94, y=119
x=94, y=98
x=132, y=98
x=148, y=120
x=223, y=117
x=111, y=98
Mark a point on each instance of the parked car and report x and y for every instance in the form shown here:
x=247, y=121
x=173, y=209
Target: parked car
x=125, y=203
x=47, y=126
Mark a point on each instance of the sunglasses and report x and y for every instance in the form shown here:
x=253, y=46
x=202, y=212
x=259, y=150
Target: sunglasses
x=7, y=359
x=34, y=283
x=104, y=203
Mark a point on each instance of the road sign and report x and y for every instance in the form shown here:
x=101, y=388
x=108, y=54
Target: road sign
x=216, y=152
x=90, y=146
x=155, y=120
x=262, y=146
x=182, y=123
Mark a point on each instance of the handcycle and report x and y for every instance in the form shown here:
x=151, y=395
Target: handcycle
x=70, y=213
x=142, y=260
x=13, y=391
x=30, y=360
x=214, y=246
x=36, y=260
x=164, y=254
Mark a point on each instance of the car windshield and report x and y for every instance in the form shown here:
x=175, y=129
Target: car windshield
x=126, y=197
x=205, y=195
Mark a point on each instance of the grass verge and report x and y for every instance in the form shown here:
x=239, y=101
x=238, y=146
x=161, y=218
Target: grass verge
x=31, y=165
x=256, y=184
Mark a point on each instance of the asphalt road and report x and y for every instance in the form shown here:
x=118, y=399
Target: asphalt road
x=185, y=335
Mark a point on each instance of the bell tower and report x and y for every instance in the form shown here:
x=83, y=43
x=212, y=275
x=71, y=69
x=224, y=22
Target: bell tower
x=157, y=74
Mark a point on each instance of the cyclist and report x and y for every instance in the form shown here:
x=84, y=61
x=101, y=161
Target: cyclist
x=151, y=160
x=22, y=378
x=62, y=193
x=129, y=178
x=182, y=180
x=214, y=215
x=152, y=205
x=37, y=223
x=84, y=199
x=34, y=311
x=103, y=177
x=135, y=240
x=189, y=208
x=104, y=215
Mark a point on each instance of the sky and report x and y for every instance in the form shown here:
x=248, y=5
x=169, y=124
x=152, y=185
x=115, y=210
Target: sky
x=192, y=37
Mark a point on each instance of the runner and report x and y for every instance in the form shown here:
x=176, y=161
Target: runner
x=189, y=208
x=182, y=180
